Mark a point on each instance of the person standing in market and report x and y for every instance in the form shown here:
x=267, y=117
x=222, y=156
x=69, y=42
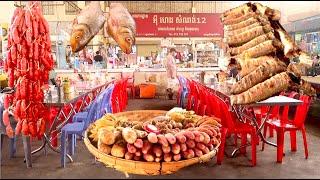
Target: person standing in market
x=178, y=56
x=233, y=68
x=90, y=56
x=170, y=64
x=98, y=59
x=76, y=62
x=315, y=60
x=154, y=57
x=85, y=56
x=68, y=54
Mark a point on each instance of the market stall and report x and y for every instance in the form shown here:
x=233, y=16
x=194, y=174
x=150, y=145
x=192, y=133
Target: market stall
x=139, y=76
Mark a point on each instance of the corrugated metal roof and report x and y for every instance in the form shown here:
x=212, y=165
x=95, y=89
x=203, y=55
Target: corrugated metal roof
x=305, y=25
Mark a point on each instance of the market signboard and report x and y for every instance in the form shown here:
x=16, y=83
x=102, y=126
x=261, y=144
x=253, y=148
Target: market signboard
x=178, y=24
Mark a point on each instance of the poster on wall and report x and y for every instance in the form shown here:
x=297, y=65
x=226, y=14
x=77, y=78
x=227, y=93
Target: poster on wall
x=178, y=25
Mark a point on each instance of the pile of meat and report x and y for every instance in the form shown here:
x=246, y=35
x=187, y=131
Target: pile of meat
x=262, y=50
x=161, y=139
x=28, y=63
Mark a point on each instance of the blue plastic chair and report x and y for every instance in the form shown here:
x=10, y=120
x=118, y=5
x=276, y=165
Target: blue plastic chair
x=105, y=105
x=75, y=128
x=184, y=92
x=103, y=98
x=81, y=116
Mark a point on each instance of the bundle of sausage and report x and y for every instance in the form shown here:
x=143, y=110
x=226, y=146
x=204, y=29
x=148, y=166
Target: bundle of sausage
x=28, y=63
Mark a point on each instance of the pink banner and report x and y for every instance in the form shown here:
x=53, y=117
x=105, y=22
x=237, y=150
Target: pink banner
x=178, y=24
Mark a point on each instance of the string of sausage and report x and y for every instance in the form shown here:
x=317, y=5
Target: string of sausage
x=28, y=63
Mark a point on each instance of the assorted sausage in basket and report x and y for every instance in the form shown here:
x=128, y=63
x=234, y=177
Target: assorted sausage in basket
x=178, y=135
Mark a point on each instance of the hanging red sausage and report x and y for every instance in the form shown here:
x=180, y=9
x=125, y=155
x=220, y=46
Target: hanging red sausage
x=28, y=64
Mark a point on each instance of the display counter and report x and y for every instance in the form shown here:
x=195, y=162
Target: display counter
x=140, y=75
x=119, y=70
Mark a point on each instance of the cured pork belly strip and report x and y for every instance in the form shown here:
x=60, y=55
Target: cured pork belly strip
x=243, y=24
x=261, y=91
x=246, y=36
x=246, y=28
x=307, y=88
x=262, y=49
x=240, y=30
x=290, y=48
x=234, y=16
x=264, y=37
x=249, y=65
x=304, y=87
x=244, y=9
x=260, y=74
x=234, y=12
x=273, y=14
x=298, y=69
x=239, y=19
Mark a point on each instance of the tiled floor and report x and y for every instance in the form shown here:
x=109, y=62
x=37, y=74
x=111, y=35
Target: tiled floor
x=294, y=164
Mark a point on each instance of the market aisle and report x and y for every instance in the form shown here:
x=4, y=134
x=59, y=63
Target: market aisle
x=294, y=165
x=151, y=104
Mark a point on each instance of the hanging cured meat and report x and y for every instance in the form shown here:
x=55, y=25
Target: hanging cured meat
x=28, y=63
x=262, y=49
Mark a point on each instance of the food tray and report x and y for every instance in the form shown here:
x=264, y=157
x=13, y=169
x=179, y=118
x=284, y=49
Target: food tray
x=142, y=167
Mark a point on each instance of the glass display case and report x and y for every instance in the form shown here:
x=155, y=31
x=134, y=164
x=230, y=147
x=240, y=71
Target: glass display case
x=207, y=54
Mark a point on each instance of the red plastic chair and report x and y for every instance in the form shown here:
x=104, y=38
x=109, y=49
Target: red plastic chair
x=231, y=126
x=119, y=96
x=130, y=83
x=204, y=106
x=198, y=101
x=292, y=125
x=209, y=103
x=116, y=97
x=214, y=106
x=179, y=90
x=191, y=95
x=212, y=109
x=275, y=114
x=199, y=98
x=124, y=94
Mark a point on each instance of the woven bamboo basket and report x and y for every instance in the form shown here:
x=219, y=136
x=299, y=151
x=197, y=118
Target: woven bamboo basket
x=141, y=167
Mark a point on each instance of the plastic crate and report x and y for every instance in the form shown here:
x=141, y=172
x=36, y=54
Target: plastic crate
x=147, y=91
